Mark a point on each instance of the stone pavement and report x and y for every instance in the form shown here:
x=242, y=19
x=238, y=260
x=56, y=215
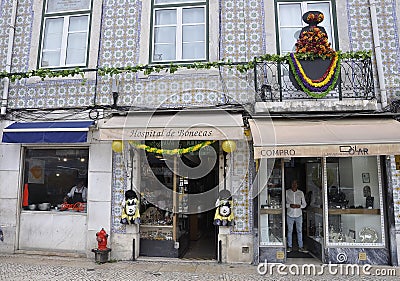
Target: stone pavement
x=38, y=267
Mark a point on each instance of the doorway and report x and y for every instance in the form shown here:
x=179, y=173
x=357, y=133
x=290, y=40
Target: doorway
x=178, y=196
x=307, y=172
x=202, y=233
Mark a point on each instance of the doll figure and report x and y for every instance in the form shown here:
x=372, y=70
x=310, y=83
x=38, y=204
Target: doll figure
x=224, y=212
x=130, y=210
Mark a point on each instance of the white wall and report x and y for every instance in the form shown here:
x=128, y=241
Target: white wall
x=351, y=170
x=53, y=231
x=99, y=192
x=365, y=165
x=10, y=155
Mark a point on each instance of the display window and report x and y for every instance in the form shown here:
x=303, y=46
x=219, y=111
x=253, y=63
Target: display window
x=344, y=201
x=271, y=212
x=55, y=179
x=354, y=202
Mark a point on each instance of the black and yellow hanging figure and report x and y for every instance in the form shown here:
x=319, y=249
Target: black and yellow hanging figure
x=224, y=212
x=130, y=210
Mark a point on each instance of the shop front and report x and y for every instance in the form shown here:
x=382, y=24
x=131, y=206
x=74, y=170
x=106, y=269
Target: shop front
x=341, y=167
x=177, y=167
x=51, y=158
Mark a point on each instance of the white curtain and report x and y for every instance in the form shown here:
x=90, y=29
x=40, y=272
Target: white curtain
x=193, y=33
x=77, y=39
x=52, y=42
x=290, y=26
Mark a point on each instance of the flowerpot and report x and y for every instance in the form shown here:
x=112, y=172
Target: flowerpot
x=314, y=69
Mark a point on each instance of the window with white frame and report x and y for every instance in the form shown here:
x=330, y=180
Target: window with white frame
x=290, y=21
x=179, y=31
x=65, y=34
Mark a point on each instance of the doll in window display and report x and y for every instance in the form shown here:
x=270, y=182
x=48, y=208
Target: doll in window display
x=224, y=213
x=130, y=210
x=337, y=198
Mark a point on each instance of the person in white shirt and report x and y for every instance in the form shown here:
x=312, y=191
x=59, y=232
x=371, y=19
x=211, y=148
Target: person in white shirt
x=295, y=202
x=78, y=193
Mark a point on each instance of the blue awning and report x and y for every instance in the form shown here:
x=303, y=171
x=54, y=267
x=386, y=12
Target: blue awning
x=47, y=132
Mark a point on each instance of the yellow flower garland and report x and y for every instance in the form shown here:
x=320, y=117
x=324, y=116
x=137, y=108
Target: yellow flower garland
x=171, y=151
x=327, y=78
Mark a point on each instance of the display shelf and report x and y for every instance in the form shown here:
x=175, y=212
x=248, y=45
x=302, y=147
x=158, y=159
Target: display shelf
x=270, y=211
x=354, y=211
x=347, y=211
x=155, y=226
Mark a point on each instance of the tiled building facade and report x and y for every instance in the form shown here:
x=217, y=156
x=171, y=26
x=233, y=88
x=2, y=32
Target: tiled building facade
x=121, y=35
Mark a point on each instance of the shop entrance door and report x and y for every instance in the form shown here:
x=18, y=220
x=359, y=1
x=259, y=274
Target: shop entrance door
x=178, y=198
x=307, y=173
x=202, y=233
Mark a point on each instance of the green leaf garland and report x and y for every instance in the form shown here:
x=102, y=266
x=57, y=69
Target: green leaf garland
x=176, y=151
x=44, y=73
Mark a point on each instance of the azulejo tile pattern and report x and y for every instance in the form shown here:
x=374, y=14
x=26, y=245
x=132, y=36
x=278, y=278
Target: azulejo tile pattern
x=22, y=38
x=241, y=181
x=120, y=46
x=396, y=192
x=242, y=37
x=118, y=192
x=360, y=33
x=51, y=93
x=120, y=33
x=175, y=90
x=242, y=29
x=5, y=20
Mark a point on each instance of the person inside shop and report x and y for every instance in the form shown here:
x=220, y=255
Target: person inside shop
x=295, y=202
x=78, y=193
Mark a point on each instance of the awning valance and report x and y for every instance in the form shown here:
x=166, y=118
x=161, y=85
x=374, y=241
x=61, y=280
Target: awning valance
x=190, y=125
x=340, y=138
x=47, y=132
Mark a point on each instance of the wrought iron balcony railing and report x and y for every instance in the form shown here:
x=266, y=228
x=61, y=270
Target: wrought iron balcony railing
x=272, y=82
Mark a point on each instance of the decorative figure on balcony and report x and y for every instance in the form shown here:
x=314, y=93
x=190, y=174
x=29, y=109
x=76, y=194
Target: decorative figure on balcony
x=130, y=210
x=315, y=66
x=224, y=213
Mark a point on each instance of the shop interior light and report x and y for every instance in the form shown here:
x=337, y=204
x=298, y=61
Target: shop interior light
x=82, y=159
x=65, y=159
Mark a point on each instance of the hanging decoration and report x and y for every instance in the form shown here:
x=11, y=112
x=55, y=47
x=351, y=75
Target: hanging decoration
x=224, y=212
x=242, y=67
x=130, y=208
x=313, y=44
x=228, y=146
x=317, y=88
x=117, y=146
x=176, y=151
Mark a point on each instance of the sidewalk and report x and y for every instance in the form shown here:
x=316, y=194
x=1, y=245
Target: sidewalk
x=35, y=267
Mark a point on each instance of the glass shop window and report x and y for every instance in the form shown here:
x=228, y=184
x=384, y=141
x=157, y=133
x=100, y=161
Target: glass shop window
x=354, y=201
x=53, y=177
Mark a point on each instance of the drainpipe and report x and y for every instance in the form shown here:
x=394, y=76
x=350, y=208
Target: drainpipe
x=378, y=53
x=6, y=81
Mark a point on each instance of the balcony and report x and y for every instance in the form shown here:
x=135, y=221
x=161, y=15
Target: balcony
x=276, y=93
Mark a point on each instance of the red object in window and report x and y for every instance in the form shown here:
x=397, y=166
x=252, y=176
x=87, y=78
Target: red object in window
x=25, y=196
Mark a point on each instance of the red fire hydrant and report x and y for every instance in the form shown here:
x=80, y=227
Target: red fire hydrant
x=102, y=239
x=102, y=252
